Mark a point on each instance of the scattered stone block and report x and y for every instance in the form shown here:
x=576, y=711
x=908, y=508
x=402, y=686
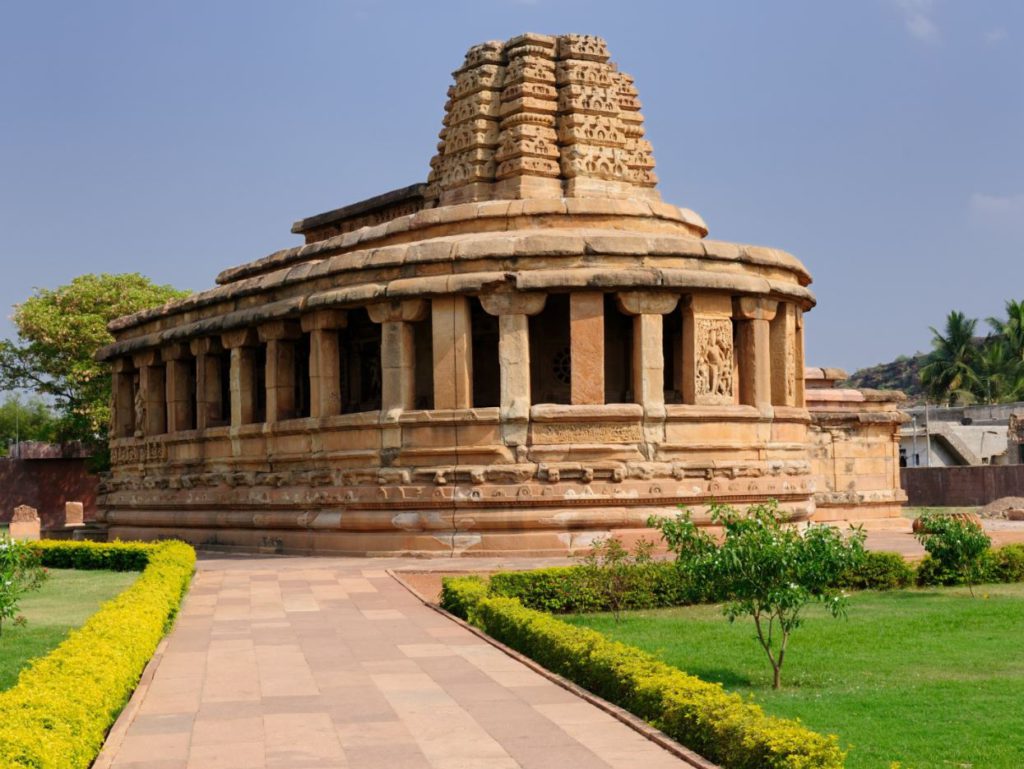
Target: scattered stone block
x=74, y=514
x=25, y=523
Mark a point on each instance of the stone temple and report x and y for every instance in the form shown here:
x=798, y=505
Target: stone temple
x=526, y=352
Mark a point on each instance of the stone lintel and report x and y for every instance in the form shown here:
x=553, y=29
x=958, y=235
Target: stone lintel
x=207, y=345
x=646, y=302
x=240, y=337
x=146, y=358
x=405, y=311
x=326, y=320
x=754, y=307
x=124, y=365
x=279, y=329
x=708, y=305
x=513, y=303
x=175, y=351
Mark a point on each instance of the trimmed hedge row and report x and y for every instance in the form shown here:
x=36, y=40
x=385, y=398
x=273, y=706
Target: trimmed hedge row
x=564, y=589
x=58, y=714
x=112, y=556
x=701, y=715
x=568, y=589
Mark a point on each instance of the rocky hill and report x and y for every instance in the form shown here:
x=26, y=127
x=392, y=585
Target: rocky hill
x=901, y=374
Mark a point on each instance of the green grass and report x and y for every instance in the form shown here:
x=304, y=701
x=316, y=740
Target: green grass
x=917, y=512
x=930, y=678
x=66, y=600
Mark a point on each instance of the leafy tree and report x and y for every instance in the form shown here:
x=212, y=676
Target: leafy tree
x=59, y=332
x=768, y=569
x=28, y=420
x=952, y=369
x=957, y=545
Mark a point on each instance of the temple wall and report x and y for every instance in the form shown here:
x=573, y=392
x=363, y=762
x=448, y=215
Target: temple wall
x=519, y=476
x=527, y=352
x=854, y=437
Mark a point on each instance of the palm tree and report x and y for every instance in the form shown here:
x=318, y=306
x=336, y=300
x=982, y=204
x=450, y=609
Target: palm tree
x=1011, y=330
x=951, y=372
x=1000, y=373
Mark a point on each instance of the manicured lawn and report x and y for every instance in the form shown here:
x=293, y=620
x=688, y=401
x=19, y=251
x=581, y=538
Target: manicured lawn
x=66, y=600
x=930, y=678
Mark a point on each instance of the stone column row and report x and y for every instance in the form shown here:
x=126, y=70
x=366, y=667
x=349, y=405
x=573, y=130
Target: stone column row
x=761, y=364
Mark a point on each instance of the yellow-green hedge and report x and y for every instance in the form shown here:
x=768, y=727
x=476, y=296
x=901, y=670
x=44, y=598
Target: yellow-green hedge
x=701, y=715
x=58, y=713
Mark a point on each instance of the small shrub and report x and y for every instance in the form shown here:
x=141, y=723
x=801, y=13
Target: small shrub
x=558, y=589
x=1008, y=563
x=460, y=594
x=957, y=548
x=20, y=573
x=878, y=571
x=565, y=589
x=616, y=575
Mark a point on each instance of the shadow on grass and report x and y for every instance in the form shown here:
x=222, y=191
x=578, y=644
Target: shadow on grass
x=730, y=679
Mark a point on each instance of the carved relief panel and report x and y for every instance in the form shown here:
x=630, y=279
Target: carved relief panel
x=714, y=360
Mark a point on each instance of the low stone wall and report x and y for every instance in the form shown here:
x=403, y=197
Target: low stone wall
x=46, y=484
x=961, y=486
x=854, y=451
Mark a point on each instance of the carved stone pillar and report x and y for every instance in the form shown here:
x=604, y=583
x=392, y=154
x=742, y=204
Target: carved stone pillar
x=453, y=352
x=151, y=403
x=123, y=412
x=280, y=337
x=708, y=371
x=783, y=341
x=586, y=342
x=209, y=388
x=397, y=354
x=241, y=343
x=324, y=361
x=801, y=395
x=513, y=311
x=647, y=309
x=754, y=315
x=180, y=387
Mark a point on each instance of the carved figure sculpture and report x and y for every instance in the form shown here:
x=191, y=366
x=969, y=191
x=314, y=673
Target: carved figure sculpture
x=714, y=375
x=140, y=409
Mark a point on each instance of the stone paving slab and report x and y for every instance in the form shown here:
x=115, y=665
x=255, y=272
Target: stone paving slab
x=303, y=663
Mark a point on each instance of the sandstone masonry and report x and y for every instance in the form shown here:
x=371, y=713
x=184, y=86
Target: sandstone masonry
x=528, y=351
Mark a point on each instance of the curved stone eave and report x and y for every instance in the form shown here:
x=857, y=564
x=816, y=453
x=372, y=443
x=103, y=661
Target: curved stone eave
x=551, y=281
x=594, y=243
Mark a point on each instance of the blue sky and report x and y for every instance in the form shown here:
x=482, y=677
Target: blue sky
x=879, y=140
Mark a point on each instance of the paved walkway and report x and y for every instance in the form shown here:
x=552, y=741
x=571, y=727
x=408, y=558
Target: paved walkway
x=319, y=662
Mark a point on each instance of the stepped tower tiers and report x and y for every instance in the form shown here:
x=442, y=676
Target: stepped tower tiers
x=528, y=351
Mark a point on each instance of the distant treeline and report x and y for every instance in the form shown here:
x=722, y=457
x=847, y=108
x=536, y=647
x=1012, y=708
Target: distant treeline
x=964, y=367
